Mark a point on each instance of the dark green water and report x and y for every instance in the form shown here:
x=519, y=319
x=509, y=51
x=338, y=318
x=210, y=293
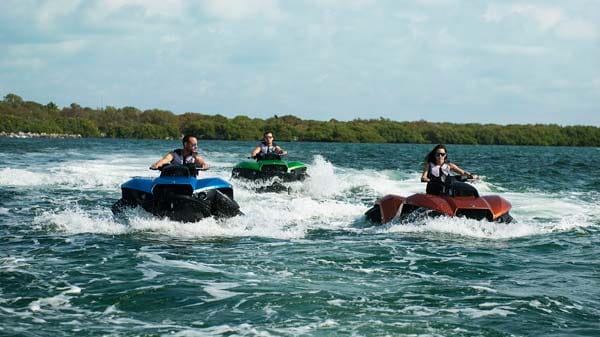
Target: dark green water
x=298, y=264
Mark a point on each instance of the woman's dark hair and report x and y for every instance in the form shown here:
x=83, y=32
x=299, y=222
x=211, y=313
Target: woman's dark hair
x=430, y=157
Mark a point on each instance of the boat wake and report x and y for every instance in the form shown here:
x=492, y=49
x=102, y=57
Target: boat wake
x=331, y=198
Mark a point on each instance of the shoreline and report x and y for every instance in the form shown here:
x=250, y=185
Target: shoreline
x=22, y=134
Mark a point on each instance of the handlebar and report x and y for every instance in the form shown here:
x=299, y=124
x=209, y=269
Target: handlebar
x=268, y=156
x=464, y=177
x=167, y=165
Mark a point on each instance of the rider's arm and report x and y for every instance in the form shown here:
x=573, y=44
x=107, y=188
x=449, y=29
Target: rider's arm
x=280, y=150
x=201, y=163
x=424, y=177
x=460, y=171
x=457, y=169
x=255, y=152
x=165, y=160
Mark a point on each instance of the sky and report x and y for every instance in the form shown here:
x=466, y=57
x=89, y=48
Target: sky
x=502, y=62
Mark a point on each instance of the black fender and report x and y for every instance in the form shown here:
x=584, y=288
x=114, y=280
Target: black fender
x=223, y=206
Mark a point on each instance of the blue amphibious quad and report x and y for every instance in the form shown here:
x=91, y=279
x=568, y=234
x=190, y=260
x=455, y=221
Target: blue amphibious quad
x=179, y=195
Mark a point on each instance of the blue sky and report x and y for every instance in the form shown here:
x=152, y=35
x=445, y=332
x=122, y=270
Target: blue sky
x=502, y=62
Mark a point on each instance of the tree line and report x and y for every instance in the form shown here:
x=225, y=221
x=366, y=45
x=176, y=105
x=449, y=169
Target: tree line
x=129, y=122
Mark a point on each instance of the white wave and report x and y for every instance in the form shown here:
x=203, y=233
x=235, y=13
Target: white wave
x=19, y=177
x=326, y=180
x=158, y=260
x=76, y=221
x=110, y=310
x=219, y=291
x=529, y=206
x=11, y=264
x=477, y=313
x=291, y=216
x=484, y=289
x=535, y=213
x=332, y=197
x=247, y=329
x=149, y=274
x=538, y=305
x=103, y=172
x=488, y=230
x=57, y=302
x=273, y=215
x=337, y=302
x=86, y=176
x=322, y=179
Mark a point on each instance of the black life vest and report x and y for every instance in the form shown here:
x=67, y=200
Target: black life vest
x=178, y=157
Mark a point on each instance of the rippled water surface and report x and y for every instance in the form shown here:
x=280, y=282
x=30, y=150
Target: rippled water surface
x=303, y=263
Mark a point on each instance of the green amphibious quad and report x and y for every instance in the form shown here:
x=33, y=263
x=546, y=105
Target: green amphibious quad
x=269, y=166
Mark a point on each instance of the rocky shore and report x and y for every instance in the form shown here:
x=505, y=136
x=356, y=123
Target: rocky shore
x=21, y=134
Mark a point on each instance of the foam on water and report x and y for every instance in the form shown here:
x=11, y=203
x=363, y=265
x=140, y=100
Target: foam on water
x=491, y=230
x=326, y=179
x=326, y=273
x=219, y=291
x=158, y=260
x=477, y=313
x=331, y=197
x=21, y=177
x=85, y=175
x=535, y=213
x=271, y=216
x=76, y=221
x=323, y=180
x=59, y=302
x=13, y=264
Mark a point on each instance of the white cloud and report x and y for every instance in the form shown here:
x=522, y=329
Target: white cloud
x=512, y=89
x=436, y=3
x=166, y=8
x=450, y=63
x=577, y=30
x=170, y=39
x=240, y=10
x=596, y=84
x=70, y=46
x=50, y=11
x=26, y=50
x=256, y=87
x=205, y=88
x=445, y=39
x=507, y=49
x=546, y=19
x=38, y=55
x=560, y=83
x=413, y=17
x=25, y=63
x=282, y=56
x=343, y=4
x=493, y=14
x=100, y=11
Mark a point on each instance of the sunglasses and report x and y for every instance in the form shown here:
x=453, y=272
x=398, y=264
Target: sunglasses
x=194, y=145
x=269, y=137
x=439, y=154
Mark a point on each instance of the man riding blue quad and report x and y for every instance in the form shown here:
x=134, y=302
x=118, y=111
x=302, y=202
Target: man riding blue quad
x=187, y=155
